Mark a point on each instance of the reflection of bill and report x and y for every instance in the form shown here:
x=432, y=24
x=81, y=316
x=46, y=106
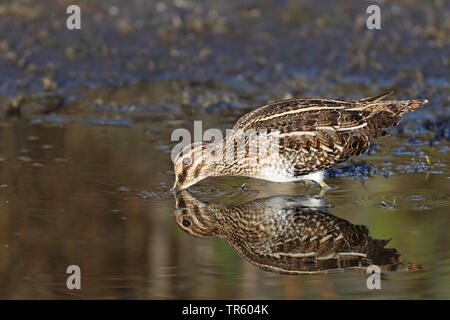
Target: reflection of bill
x=286, y=234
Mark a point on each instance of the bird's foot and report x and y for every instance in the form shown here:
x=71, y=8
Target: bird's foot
x=323, y=185
x=307, y=183
x=323, y=188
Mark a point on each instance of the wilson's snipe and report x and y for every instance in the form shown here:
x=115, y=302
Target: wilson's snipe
x=286, y=234
x=311, y=135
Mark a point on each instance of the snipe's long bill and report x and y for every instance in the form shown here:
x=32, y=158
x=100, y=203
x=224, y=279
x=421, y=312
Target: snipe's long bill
x=289, y=234
x=311, y=135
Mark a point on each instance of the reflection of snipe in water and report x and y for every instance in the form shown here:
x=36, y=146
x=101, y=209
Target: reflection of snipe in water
x=286, y=234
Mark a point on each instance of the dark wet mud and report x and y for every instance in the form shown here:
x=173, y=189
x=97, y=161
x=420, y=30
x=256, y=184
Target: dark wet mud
x=86, y=119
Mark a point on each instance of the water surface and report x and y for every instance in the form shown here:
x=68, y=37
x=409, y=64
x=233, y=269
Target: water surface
x=97, y=196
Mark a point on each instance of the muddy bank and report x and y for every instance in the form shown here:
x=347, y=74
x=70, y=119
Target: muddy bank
x=251, y=52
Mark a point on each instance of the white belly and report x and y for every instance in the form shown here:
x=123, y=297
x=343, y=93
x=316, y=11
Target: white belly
x=277, y=176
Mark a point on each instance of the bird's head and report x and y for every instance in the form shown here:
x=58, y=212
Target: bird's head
x=190, y=166
x=194, y=216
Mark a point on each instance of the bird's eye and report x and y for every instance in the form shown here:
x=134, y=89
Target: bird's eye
x=186, y=223
x=186, y=161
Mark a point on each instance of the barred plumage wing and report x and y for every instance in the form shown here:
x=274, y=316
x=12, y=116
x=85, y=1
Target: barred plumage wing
x=332, y=130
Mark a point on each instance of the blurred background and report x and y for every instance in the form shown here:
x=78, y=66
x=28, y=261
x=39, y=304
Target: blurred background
x=86, y=117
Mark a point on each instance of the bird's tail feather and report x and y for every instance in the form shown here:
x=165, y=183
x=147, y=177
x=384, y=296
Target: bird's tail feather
x=401, y=107
x=412, y=104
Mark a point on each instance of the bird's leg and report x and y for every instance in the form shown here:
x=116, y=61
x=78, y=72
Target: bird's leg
x=307, y=183
x=323, y=185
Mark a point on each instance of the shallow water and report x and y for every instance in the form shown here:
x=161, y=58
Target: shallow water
x=97, y=196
